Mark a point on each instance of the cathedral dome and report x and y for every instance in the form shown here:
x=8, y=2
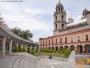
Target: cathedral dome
x=85, y=11
x=59, y=4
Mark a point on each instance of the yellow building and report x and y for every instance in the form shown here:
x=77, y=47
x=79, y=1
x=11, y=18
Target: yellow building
x=66, y=34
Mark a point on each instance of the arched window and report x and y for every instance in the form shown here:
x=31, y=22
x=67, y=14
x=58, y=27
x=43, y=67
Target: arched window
x=78, y=38
x=56, y=17
x=43, y=42
x=71, y=39
x=61, y=9
x=62, y=16
x=65, y=39
x=60, y=40
x=56, y=41
x=62, y=25
x=86, y=37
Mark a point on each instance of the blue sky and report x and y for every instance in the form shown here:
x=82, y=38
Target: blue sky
x=37, y=15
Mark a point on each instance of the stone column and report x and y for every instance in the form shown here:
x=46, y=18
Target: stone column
x=3, y=46
x=22, y=47
x=75, y=48
x=26, y=47
x=83, y=48
x=31, y=48
x=17, y=45
x=10, y=47
x=35, y=48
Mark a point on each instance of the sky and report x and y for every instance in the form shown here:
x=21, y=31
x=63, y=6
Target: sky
x=37, y=15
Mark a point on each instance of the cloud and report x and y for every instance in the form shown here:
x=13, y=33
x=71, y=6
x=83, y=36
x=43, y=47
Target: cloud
x=26, y=23
x=34, y=11
x=36, y=15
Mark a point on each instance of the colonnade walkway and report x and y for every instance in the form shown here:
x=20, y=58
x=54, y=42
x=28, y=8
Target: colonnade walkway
x=25, y=60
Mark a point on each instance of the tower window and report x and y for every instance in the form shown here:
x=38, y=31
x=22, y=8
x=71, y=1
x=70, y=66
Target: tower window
x=61, y=9
x=62, y=17
x=62, y=25
x=56, y=17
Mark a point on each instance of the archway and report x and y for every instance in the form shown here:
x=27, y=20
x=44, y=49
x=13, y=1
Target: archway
x=79, y=48
x=56, y=48
x=72, y=47
x=49, y=47
x=52, y=48
x=87, y=48
x=61, y=47
x=66, y=47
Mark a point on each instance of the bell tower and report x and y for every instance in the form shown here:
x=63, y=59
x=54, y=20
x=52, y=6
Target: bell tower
x=59, y=18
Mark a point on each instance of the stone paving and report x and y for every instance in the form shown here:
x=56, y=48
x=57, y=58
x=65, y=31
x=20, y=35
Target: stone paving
x=24, y=60
x=19, y=60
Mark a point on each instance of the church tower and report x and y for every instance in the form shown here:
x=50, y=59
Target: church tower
x=59, y=18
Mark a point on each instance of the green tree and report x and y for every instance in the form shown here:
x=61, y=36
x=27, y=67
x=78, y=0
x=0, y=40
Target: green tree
x=21, y=33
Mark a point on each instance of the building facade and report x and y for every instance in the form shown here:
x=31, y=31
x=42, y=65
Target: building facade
x=66, y=34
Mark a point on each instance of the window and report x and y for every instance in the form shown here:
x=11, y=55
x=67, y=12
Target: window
x=65, y=39
x=61, y=9
x=56, y=17
x=60, y=40
x=78, y=38
x=43, y=42
x=49, y=42
x=62, y=25
x=52, y=41
x=46, y=42
x=86, y=37
x=62, y=17
x=56, y=41
x=71, y=39
x=56, y=26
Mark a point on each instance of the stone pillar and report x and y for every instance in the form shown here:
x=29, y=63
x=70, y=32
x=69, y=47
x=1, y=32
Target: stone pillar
x=31, y=48
x=10, y=47
x=26, y=47
x=22, y=47
x=17, y=45
x=83, y=48
x=75, y=48
x=35, y=48
x=3, y=46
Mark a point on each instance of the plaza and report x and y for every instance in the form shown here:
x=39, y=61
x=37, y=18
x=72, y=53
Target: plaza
x=70, y=42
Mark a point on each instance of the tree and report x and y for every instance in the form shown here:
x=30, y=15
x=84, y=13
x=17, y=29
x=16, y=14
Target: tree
x=21, y=33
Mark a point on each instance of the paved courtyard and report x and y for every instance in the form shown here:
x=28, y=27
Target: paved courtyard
x=24, y=60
